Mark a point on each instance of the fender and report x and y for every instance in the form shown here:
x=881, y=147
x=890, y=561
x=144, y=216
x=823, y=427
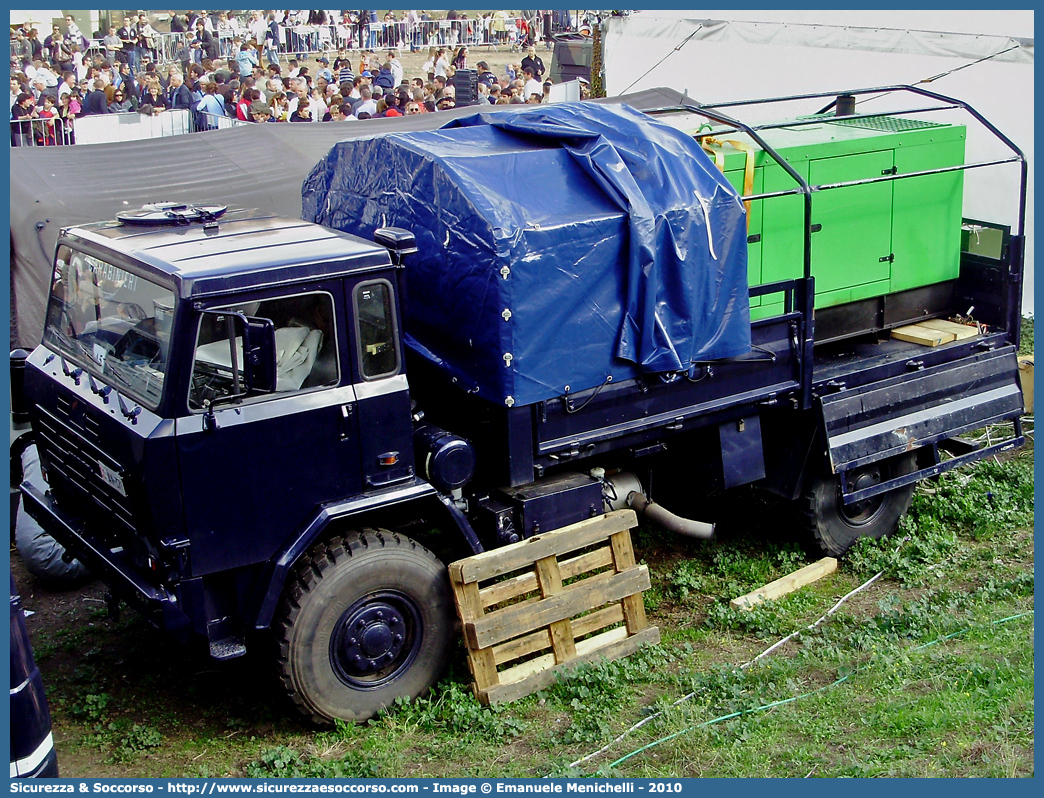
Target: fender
x=274, y=579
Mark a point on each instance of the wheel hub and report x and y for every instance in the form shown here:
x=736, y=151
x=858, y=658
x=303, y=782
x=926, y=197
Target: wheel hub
x=374, y=640
x=865, y=511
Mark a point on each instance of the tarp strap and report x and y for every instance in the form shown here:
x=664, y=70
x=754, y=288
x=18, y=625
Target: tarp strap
x=712, y=147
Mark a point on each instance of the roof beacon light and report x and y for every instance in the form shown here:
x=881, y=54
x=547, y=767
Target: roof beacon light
x=173, y=213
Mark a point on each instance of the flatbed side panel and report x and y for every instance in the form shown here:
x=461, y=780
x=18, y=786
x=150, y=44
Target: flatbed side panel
x=923, y=407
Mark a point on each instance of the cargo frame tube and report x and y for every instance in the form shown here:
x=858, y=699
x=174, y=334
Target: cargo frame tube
x=948, y=103
x=806, y=288
x=1016, y=266
x=883, y=179
x=819, y=120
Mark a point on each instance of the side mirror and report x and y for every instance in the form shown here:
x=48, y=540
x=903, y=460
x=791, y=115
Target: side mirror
x=242, y=360
x=398, y=242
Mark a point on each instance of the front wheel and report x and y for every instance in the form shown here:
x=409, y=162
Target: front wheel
x=366, y=618
x=836, y=526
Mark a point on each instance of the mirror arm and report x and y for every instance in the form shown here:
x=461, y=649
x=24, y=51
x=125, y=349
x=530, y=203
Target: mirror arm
x=236, y=378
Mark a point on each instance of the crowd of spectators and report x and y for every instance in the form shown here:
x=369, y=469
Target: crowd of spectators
x=225, y=68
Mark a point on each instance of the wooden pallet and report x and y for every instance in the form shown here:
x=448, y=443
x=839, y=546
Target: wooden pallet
x=514, y=604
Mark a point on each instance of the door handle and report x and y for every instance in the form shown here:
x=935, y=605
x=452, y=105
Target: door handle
x=347, y=412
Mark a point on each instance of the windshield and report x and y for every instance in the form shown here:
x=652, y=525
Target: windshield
x=114, y=323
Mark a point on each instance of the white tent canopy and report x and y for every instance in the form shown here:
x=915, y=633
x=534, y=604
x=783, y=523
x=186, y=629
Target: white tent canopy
x=984, y=58
x=41, y=20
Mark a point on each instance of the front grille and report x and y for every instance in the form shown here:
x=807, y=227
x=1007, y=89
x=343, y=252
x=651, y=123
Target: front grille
x=75, y=470
x=886, y=124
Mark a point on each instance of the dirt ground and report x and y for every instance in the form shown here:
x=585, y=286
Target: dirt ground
x=54, y=608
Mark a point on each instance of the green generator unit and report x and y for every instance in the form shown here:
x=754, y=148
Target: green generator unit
x=868, y=241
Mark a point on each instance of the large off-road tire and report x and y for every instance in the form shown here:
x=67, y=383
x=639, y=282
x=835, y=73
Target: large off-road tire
x=837, y=527
x=364, y=619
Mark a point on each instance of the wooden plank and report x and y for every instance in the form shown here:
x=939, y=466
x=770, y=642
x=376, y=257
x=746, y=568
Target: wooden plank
x=483, y=666
x=925, y=336
x=504, y=693
x=538, y=641
x=960, y=331
x=634, y=612
x=522, y=646
x=1026, y=380
x=522, y=554
x=550, y=579
x=531, y=667
x=501, y=625
x=786, y=584
x=623, y=558
x=526, y=583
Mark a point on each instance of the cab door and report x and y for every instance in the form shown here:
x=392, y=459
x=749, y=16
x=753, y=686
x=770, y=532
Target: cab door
x=383, y=393
x=257, y=470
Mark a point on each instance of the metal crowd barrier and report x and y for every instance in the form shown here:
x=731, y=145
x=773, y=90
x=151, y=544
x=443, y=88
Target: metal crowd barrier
x=307, y=40
x=100, y=129
x=108, y=128
x=132, y=126
x=208, y=121
x=51, y=132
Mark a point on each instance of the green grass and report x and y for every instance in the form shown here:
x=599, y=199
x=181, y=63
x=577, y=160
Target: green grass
x=910, y=702
x=1026, y=339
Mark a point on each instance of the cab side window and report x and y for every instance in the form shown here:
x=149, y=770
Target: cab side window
x=376, y=329
x=306, y=347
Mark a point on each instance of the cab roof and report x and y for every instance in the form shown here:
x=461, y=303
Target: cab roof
x=247, y=249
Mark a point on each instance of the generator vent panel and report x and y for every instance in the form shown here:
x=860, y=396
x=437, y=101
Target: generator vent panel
x=888, y=124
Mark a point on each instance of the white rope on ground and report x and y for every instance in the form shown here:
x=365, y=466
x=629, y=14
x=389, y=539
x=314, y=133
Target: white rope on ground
x=826, y=615
x=764, y=653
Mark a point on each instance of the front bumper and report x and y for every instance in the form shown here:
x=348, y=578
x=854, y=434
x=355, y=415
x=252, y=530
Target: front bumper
x=159, y=606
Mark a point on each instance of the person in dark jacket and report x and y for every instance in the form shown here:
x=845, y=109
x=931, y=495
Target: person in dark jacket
x=23, y=111
x=533, y=60
x=385, y=79
x=152, y=95
x=96, y=102
x=272, y=40
x=206, y=43
x=484, y=75
x=121, y=103
x=33, y=37
x=178, y=95
x=128, y=82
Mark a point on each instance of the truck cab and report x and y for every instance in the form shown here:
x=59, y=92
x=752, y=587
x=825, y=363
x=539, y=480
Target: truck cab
x=206, y=384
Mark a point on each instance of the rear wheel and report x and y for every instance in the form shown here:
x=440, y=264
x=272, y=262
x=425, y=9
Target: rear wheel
x=836, y=526
x=365, y=619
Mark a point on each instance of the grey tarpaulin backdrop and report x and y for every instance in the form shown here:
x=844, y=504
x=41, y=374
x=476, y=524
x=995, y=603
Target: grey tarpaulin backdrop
x=255, y=166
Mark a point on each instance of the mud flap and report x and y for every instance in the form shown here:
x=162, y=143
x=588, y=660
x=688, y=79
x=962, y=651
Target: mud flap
x=921, y=409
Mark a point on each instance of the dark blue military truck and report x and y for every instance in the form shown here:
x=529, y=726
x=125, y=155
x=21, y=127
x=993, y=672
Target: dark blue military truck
x=248, y=423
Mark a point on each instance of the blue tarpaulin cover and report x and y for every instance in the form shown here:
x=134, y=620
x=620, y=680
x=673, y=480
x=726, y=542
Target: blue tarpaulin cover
x=560, y=246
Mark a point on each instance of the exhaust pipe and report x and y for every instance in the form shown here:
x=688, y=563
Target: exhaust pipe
x=623, y=489
x=668, y=520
